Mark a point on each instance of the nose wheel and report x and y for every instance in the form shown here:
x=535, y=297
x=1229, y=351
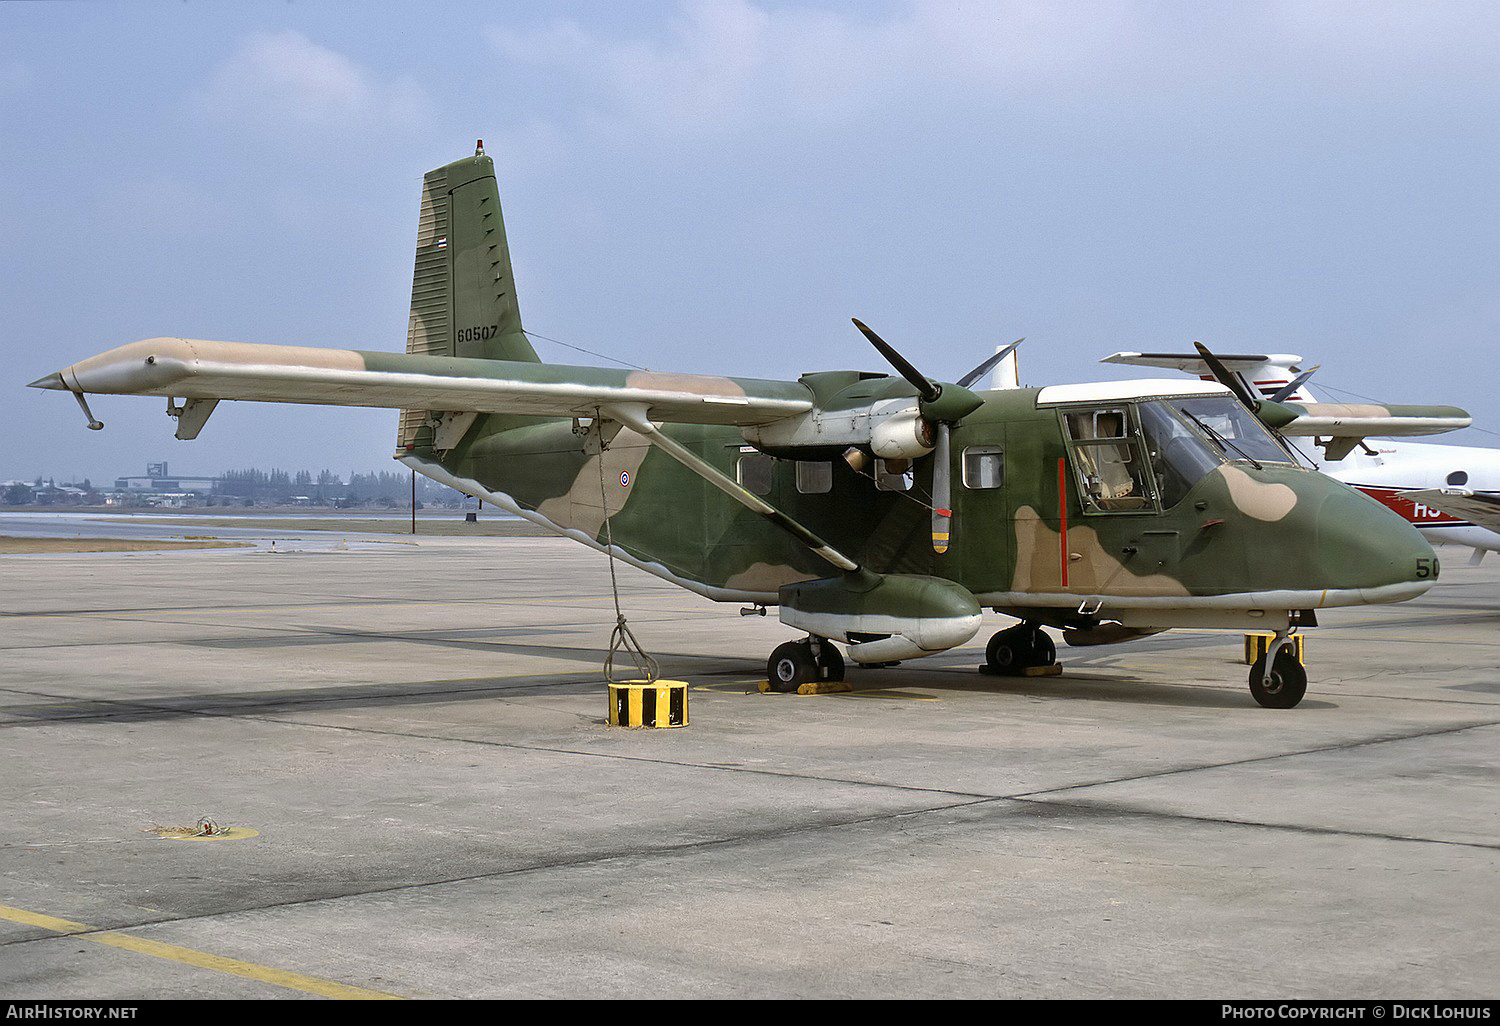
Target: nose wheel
x=801, y=662
x=1285, y=684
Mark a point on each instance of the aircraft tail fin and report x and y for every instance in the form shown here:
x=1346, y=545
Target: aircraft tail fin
x=1264, y=374
x=463, y=293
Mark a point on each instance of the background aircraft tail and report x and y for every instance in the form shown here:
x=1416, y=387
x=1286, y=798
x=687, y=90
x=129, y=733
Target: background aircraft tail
x=463, y=292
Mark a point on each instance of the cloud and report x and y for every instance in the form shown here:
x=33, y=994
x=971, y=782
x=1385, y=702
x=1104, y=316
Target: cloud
x=284, y=79
x=714, y=62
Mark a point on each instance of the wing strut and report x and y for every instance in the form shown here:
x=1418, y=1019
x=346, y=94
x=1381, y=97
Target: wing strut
x=633, y=416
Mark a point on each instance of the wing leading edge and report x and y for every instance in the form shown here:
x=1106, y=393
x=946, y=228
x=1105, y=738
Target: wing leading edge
x=204, y=370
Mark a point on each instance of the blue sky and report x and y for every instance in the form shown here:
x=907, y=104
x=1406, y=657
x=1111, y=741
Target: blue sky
x=719, y=187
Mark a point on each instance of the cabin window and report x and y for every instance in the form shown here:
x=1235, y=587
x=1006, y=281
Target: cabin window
x=984, y=467
x=893, y=475
x=1088, y=425
x=755, y=473
x=1458, y=477
x=814, y=478
x=1113, y=476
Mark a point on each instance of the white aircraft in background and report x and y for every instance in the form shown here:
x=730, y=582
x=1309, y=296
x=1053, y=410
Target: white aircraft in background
x=1451, y=493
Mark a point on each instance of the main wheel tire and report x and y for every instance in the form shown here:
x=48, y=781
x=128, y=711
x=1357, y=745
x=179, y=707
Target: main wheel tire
x=1007, y=650
x=791, y=665
x=1014, y=649
x=1286, y=685
x=1043, y=650
x=830, y=661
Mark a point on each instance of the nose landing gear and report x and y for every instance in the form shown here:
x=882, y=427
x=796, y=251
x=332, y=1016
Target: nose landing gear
x=1278, y=680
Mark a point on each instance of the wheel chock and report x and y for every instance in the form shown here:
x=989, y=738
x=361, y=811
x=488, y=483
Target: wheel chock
x=653, y=703
x=1050, y=670
x=822, y=687
x=812, y=687
x=1257, y=643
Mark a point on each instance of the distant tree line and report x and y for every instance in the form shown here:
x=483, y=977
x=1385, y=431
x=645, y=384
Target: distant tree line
x=385, y=488
x=249, y=487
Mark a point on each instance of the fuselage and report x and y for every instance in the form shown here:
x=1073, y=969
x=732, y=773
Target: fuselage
x=1069, y=504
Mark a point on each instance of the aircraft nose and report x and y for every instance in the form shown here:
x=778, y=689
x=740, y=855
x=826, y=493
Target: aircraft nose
x=1363, y=546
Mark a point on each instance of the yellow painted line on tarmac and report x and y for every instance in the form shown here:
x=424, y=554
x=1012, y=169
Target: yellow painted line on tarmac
x=197, y=959
x=905, y=696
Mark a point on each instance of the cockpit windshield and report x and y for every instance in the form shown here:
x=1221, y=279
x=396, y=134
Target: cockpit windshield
x=1179, y=455
x=1234, y=429
x=1138, y=456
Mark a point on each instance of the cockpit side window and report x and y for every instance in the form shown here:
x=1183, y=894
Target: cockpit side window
x=1179, y=457
x=1113, y=475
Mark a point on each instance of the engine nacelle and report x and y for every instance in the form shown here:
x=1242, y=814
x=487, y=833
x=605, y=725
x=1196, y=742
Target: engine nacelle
x=902, y=436
x=893, y=429
x=883, y=618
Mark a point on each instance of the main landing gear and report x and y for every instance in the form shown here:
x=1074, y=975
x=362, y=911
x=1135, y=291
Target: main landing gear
x=1015, y=650
x=800, y=662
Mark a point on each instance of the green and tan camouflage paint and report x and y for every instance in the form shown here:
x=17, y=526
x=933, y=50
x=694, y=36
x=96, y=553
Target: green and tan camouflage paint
x=1243, y=530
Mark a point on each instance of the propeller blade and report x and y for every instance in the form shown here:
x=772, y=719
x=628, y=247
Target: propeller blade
x=924, y=386
x=988, y=365
x=942, y=491
x=1225, y=378
x=1293, y=385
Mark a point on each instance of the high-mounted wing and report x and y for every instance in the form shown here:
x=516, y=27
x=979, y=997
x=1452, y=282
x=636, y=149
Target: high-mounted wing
x=194, y=369
x=1384, y=420
x=1341, y=426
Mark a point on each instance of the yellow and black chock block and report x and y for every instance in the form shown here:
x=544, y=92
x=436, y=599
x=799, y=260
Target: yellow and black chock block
x=655, y=703
x=1256, y=645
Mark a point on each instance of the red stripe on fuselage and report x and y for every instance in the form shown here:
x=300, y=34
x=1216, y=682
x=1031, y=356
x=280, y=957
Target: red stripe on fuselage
x=1412, y=512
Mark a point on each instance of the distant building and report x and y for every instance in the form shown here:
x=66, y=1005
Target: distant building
x=157, y=480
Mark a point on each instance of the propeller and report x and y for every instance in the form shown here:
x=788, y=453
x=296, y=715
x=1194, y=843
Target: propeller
x=1269, y=412
x=927, y=389
x=1227, y=378
x=941, y=406
x=988, y=365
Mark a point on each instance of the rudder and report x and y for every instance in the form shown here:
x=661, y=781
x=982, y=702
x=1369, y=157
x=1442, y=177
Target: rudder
x=463, y=293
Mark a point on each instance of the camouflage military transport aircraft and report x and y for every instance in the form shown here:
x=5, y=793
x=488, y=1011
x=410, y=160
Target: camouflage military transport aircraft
x=882, y=512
